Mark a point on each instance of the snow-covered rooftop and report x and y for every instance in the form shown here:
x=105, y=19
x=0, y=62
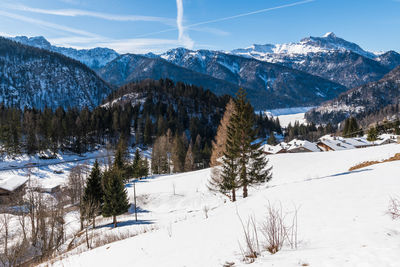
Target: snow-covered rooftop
x=303, y=143
x=11, y=183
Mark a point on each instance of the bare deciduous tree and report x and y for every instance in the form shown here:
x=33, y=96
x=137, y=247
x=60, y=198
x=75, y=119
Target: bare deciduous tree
x=218, y=146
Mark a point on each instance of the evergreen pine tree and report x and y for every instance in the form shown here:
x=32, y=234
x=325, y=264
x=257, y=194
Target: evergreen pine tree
x=372, y=134
x=115, y=196
x=147, y=140
x=143, y=168
x=178, y=153
x=243, y=162
x=93, y=193
x=120, y=160
x=136, y=164
x=271, y=139
x=228, y=180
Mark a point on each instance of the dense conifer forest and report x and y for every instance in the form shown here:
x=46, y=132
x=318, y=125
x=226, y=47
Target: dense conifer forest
x=138, y=113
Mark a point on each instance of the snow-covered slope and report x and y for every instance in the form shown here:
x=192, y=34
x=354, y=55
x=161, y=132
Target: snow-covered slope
x=341, y=217
x=94, y=58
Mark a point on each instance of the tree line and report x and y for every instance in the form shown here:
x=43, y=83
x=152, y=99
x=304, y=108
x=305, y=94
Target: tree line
x=157, y=109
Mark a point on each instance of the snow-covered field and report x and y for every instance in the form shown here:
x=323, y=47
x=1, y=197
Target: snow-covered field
x=342, y=218
x=289, y=115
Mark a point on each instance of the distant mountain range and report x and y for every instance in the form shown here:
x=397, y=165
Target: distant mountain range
x=329, y=57
x=360, y=101
x=94, y=58
x=306, y=73
x=32, y=77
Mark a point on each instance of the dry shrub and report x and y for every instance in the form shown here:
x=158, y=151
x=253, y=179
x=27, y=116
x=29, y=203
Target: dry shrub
x=276, y=231
x=363, y=164
x=369, y=163
x=107, y=238
x=251, y=248
x=394, y=208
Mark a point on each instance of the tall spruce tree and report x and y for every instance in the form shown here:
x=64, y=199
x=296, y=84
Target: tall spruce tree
x=115, y=196
x=136, y=164
x=228, y=180
x=179, y=153
x=372, y=134
x=243, y=162
x=120, y=159
x=93, y=193
x=143, y=168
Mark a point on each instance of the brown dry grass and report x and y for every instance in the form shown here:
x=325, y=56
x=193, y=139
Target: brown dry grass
x=369, y=163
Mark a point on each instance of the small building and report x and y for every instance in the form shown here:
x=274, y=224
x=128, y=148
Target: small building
x=298, y=146
x=385, y=139
x=49, y=189
x=358, y=142
x=333, y=145
x=12, y=187
x=271, y=150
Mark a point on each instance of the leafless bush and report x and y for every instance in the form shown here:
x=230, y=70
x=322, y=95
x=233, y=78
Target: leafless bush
x=251, y=248
x=394, y=208
x=276, y=231
x=14, y=247
x=173, y=189
x=107, y=238
x=76, y=183
x=205, y=210
x=169, y=229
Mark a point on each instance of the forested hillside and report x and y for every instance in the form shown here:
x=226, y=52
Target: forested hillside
x=37, y=78
x=137, y=112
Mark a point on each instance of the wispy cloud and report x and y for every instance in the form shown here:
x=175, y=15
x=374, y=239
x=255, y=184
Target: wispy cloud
x=79, y=12
x=183, y=37
x=72, y=2
x=47, y=24
x=231, y=17
x=214, y=31
x=136, y=45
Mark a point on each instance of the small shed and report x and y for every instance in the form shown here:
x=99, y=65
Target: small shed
x=11, y=187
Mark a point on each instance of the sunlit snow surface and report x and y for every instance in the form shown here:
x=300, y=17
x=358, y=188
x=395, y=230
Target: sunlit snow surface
x=342, y=217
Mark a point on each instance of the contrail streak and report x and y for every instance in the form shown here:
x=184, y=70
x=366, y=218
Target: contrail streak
x=232, y=17
x=182, y=36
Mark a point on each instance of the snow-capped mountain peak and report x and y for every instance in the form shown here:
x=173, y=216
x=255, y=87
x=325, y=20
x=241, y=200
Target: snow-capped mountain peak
x=329, y=35
x=37, y=41
x=329, y=42
x=94, y=58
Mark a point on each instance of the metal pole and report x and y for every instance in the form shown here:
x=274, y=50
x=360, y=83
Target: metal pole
x=134, y=196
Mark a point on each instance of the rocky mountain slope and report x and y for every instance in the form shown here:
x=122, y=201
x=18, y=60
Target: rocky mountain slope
x=94, y=58
x=329, y=57
x=32, y=77
x=309, y=72
x=268, y=85
x=360, y=101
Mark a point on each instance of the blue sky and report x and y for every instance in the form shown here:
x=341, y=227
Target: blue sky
x=140, y=26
